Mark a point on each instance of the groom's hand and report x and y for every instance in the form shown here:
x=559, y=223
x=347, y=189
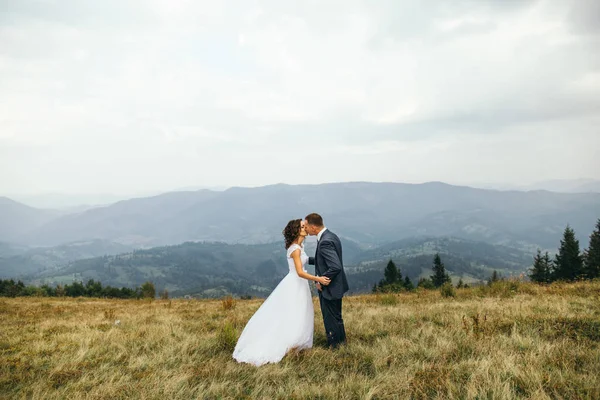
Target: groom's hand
x=319, y=287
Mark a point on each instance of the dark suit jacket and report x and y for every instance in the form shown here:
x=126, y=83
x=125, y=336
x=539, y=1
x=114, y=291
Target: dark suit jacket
x=328, y=262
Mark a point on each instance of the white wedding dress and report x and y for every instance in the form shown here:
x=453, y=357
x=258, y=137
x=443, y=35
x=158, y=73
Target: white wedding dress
x=284, y=321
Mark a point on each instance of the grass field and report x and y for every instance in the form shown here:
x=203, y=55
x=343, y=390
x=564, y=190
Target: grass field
x=511, y=340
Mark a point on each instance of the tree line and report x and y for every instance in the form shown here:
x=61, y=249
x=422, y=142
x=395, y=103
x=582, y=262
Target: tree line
x=569, y=264
x=10, y=288
x=393, y=282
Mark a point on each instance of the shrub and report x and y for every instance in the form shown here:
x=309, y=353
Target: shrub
x=227, y=338
x=228, y=303
x=447, y=290
x=60, y=291
x=425, y=283
x=501, y=288
x=148, y=290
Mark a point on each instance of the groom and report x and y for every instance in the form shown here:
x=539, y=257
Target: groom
x=328, y=262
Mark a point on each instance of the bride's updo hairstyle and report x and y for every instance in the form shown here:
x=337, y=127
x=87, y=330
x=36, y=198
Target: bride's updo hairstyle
x=291, y=232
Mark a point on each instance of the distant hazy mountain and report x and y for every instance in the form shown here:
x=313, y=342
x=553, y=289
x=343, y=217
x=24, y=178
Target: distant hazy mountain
x=216, y=269
x=556, y=185
x=17, y=219
x=368, y=213
x=37, y=260
x=74, y=202
x=77, y=202
x=569, y=186
x=10, y=249
x=195, y=188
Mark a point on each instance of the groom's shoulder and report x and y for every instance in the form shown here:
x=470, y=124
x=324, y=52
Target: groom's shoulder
x=332, y=236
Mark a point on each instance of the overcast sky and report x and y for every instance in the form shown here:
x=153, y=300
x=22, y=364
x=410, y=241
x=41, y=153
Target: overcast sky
x=120, y=96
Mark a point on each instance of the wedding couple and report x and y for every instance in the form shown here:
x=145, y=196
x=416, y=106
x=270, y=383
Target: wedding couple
x=286, y=319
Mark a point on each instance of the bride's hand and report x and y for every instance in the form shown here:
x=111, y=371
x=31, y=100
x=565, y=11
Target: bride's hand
x=323, y=280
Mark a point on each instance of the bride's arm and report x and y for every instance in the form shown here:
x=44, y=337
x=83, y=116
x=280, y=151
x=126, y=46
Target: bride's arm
x=302, y=274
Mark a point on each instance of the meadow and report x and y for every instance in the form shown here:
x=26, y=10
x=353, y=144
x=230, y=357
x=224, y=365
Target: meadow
x=511, y=340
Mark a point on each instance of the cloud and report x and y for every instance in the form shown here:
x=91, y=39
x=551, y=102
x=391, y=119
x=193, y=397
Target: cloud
x=584, y=17
x=125, y=89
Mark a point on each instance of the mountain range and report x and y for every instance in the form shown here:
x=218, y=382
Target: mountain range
x=17, y=219
x=217, y=269
x=555, y=185
x=208, y=243
x=367, y=213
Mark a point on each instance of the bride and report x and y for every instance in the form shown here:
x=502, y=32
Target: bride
x=286, y=319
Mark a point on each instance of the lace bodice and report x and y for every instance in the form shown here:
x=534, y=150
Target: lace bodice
x=303, y=257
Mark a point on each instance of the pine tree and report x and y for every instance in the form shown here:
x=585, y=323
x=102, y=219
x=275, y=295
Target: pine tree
x=460, y=284
x=548, y=263
x=392, y=274
x=541, y=270
x=375, y=288
x=592, y=255
x=568, y=263
x=408, y=283
x=494, y=278
x=439, y=276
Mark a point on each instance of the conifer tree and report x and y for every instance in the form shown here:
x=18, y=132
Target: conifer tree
x=592, y=255
x=440, y=276
x=541, y=272
x=392, y=274
x=375, y=288
x=494, y=278
x=568, y=263
x=392, y=281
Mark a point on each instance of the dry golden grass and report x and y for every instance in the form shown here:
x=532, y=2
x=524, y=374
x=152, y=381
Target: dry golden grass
x=505, y=342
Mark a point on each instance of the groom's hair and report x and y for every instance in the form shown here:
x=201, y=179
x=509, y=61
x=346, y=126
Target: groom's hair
x=314, y=219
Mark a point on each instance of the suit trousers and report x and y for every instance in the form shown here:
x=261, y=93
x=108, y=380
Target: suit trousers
x=332, y=319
